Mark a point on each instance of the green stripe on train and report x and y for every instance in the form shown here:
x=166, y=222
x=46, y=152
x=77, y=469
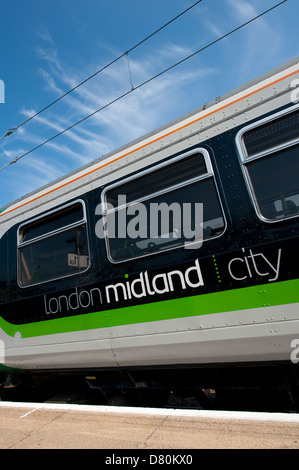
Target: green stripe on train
x=279, y=293
x=3, y=368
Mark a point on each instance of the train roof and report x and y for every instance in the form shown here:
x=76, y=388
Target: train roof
x=206, y=106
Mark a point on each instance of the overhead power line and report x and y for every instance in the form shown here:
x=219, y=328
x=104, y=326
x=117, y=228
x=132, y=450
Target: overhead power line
x=144, y=83
x=102, y=69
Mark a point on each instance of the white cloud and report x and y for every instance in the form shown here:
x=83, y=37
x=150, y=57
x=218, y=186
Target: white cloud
x=257, y=38
x=243, y=9
x=44, y=34
x=127, y=119
x=49, y=55
x=214, y=28
x=50, y=81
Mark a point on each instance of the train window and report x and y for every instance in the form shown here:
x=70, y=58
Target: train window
x=159, y=194
x=154, y=182
x=270, y=160
x=53, y=246
x=52, y=223
x=272, y=134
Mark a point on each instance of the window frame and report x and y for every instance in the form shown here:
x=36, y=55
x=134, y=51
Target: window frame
x=209, y=174
x=245, y=159
x=50, y=234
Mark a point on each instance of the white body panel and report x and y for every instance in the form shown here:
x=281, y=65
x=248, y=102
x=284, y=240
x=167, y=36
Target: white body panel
x=261, y=334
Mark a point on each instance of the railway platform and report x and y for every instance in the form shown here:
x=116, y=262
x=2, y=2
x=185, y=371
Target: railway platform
x=63, y=426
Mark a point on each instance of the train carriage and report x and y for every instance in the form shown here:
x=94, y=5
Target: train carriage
x=99, y=272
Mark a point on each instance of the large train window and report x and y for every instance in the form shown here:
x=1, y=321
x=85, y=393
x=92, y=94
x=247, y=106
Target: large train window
x=270, y=157
x=153, y=210
x=53, y=246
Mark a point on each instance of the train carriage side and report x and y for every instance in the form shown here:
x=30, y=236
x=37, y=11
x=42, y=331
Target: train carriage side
x=74, y=299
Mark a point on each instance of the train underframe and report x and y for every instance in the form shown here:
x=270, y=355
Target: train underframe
x=241, y=387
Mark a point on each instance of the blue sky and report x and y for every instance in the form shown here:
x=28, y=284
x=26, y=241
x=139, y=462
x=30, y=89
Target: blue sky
x=49, y=46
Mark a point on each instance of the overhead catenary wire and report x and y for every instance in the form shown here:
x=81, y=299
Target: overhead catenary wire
x=102, y=69
x=144, y=83
x=7, y=133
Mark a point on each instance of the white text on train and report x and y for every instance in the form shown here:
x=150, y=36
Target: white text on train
x=159, y=284
x=252, y=264
x=141, y=286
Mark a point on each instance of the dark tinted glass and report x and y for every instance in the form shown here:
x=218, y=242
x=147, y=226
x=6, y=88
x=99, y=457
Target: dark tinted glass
x=53, y=222
x=272, y=134
x=53, y=257
x=275, y=183
x=158, y=180
x=151, y=221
